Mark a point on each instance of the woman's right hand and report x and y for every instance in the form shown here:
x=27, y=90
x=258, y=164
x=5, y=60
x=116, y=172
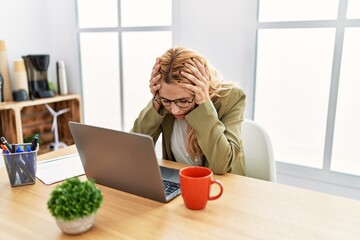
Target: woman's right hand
x=155, y=84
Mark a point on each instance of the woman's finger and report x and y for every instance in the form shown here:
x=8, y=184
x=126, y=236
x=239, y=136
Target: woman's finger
x=200, y=67
x=155, y=70
x=191, y=77
x=194, y=76
x=154, y=84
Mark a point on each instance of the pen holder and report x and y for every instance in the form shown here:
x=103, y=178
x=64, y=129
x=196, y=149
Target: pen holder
x=21, y=165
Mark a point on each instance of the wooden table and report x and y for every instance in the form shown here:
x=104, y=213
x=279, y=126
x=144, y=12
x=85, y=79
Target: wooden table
x=248, y=209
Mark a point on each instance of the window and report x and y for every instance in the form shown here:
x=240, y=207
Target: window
x=294, y=72
x=353, y=9
x=345, y=153
x=100, y=77
x=296, y=10
x=119, y=42
x=97, y=14
x=307, y=82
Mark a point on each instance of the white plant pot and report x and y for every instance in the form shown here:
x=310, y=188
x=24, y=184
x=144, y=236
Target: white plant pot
x=76, y=226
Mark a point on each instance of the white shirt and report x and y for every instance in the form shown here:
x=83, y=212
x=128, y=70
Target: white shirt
x=177, y=143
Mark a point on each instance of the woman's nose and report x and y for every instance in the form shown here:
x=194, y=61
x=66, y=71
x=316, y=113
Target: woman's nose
x=174, y=109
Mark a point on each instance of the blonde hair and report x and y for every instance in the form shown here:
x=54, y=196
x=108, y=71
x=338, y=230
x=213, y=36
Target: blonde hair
x=171, y=63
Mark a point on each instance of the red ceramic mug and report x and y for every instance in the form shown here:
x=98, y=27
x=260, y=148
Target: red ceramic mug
x=195, y=184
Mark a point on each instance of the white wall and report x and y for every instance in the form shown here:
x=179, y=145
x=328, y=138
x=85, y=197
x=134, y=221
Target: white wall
x=42, y=27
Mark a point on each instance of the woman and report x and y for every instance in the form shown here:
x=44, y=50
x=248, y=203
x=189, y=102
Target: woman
x=198, y=114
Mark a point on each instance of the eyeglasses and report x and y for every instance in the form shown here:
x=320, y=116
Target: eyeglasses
x=181, y=102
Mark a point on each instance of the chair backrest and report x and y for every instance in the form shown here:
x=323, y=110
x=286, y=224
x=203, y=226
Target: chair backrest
x=258, y=151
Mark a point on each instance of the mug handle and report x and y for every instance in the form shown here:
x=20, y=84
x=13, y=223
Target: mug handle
x=221, y=189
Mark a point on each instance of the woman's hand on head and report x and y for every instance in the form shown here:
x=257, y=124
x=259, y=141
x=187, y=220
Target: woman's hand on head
x=200, y=77
x=154, y=84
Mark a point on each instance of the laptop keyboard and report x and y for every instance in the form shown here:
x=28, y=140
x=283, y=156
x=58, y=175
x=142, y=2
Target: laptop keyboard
x=170, y=186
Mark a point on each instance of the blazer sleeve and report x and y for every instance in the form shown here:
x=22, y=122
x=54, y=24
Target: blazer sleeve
x=148, y=122
x=217, y=128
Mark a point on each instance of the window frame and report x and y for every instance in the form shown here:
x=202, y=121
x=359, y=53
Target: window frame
x=119, y=29
x=324, y=178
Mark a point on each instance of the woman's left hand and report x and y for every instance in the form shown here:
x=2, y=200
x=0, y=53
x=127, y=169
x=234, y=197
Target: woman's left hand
x=199, y=76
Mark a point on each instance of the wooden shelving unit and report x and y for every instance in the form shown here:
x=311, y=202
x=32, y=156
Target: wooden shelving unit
x=22, y=120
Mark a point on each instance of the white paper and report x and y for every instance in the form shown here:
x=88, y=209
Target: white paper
x=58, y=169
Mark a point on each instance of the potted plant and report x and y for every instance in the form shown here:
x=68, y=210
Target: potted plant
x=74, y=204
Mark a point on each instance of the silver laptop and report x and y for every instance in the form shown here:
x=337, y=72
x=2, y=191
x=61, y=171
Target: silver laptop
x=124, y=161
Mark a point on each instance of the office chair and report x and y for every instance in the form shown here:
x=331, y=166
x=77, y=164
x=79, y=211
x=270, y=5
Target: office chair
x=258, y=151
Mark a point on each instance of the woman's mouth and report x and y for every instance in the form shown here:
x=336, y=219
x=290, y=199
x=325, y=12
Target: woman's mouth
x=180, y=116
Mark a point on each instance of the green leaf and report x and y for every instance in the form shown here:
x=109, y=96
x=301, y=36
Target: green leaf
x=73, y=199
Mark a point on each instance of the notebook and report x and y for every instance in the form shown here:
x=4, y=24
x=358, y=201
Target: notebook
x=58, y=169
x=124, y=161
